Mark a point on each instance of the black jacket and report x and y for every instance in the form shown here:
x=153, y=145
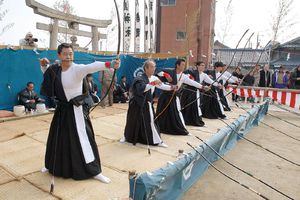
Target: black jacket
x=265, y=79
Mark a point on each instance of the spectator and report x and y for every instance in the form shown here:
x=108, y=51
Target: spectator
x=288, y=73
x=256, y=75
x=265, y=77
x=29, y=98
x=121, y=92
x=93, y=88
x=29, y=41
x=238, y=74
x=280, y=79
x=92, y=98
x=295, y=78
x=249, y=80
x=105, y=78
x=124, y=85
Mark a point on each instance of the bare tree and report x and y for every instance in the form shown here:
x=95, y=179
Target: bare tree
x=282, y=20
x=225, y=24
x=2, y=15
x=64, y=6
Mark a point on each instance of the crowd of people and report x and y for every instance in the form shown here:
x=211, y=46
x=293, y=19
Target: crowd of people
x=279, y=78
x=257, y=77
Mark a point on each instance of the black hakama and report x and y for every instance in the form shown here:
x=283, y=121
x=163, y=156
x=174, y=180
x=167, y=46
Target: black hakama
x=191, y=111
x=64, y=151
x=64, y=156
x=171, y=120
x=211, y=106
x=140, y=125
x=224, y=100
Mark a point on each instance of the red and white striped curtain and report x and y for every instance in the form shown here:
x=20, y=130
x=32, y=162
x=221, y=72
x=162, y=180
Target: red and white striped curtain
x=287, y=97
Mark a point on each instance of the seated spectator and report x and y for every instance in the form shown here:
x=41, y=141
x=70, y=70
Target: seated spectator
x=295, y=78
x=93, y=89
x=28, y=41
x=280, y=78
x=119, y=95
x=29, y=98
x=121, y=91
x=124, y=85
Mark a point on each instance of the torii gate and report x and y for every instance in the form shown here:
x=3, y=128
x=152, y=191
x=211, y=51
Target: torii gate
x=73, y=24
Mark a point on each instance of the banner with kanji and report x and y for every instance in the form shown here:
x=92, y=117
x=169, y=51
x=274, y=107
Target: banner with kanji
x=146, y=27
x=137, y=31
x=126, y=26
x=151, y=22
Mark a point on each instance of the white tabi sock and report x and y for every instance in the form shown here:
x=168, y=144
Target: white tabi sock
x=122, y=140
x=163, y=145
x=44, y=170
x=102, y=178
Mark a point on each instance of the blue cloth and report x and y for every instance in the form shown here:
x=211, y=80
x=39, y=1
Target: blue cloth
x=172, y=181
x=280, y=85
x=21, y=66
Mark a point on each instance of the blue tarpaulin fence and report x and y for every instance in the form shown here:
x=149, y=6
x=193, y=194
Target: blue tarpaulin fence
x=21, y=66
x=171, y=181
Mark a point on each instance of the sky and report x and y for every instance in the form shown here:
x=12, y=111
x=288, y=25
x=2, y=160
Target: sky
x=246, y=14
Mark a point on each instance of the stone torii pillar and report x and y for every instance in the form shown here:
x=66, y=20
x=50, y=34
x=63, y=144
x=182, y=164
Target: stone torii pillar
x=95, y=38
x=53, y=34
x=73, y=24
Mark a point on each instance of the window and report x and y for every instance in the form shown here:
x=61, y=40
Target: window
x=180, y=35
x=168, y=2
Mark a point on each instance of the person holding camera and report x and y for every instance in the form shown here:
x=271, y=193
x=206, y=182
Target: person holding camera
x=29, y=41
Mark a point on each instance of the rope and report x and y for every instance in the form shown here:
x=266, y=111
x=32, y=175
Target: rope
x=227, y=176
x=259, y=145
x=268, y=124
x=247, y=173
x=284, y=120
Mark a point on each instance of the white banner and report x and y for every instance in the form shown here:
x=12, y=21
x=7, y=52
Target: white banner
x=137, y=32
x=146, y=27
x=126, y=26
x=151, y=22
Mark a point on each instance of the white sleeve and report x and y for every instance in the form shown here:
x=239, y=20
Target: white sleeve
x=148, y=87
x=164, y=87
x=188, y=81
x=208, y=80
x=231, y=79
x=160, y=74
x=44, y=68
x=227, y=77
x=83, y=70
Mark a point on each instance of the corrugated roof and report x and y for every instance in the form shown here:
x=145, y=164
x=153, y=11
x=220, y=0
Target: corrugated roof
x=294, y=43
x=248, y=57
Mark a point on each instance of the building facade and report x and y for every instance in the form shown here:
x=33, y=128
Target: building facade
x=286, y=54
x=186, y=27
